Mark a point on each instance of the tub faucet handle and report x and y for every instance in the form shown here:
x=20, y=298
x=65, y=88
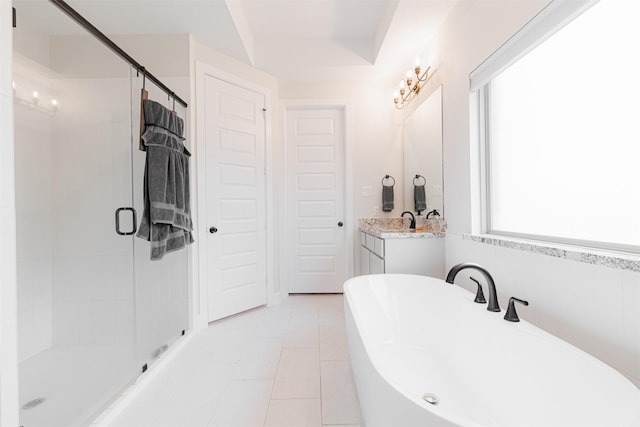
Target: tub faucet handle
x=479, y=294
x=511, y=314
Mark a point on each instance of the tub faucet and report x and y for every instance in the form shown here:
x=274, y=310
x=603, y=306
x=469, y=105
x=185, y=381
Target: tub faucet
x=493, y=296
x=413, y=219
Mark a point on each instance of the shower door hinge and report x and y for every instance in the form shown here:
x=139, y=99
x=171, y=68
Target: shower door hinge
x=14, y=19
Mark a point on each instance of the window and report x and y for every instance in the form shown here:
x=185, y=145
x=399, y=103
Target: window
x=562, y=128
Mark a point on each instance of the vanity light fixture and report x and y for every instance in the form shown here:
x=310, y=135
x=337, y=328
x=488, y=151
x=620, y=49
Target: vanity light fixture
x=409, y=87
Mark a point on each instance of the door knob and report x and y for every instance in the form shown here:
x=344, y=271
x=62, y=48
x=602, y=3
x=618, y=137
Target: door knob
x=213, y=230
x=340, y=224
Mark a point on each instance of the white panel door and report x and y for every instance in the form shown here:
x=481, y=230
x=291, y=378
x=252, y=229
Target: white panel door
x=315, y=192
x=236, y=209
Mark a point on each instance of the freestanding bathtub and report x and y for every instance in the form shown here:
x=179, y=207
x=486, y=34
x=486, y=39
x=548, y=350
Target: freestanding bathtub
x=415, y=335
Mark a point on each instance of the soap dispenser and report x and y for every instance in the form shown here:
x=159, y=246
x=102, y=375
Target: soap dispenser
x=420, y=221
x=437, y=226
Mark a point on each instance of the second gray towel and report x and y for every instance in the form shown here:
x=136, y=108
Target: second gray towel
x=419, y=198
x=387, y=198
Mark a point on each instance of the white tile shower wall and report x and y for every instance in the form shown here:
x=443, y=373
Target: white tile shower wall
x=8, y=294
x=92, y=265
x=33, y=143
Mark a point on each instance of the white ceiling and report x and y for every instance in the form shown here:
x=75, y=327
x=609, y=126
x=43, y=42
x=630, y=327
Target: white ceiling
x=291, y=39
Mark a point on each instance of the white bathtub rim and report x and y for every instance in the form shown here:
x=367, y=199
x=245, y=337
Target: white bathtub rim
x=452, y=417
x=523, y=325
x=372, y=416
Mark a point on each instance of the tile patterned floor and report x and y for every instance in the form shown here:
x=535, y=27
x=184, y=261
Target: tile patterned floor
x=281, y=366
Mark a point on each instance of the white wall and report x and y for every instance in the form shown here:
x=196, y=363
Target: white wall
x=8, y=291
x=595, y=308
x=162, y=55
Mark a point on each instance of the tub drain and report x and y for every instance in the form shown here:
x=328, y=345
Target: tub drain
x=430, y=398
x=33, y=403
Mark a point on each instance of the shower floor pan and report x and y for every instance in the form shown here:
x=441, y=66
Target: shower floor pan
x=76, y=383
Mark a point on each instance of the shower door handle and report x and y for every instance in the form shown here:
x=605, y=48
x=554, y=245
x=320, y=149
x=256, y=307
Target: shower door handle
x=135, y=221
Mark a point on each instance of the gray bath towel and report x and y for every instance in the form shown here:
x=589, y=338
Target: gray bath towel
x=419, y=198
x=166, y=221
x=387, y=198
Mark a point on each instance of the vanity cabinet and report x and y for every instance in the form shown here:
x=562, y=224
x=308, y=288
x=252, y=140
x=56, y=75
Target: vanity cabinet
x=418, y=254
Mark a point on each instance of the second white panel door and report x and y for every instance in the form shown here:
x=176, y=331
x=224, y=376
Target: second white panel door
x=316, y=255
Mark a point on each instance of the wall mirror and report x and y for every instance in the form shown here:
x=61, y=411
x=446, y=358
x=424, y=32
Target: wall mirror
x=423, y=153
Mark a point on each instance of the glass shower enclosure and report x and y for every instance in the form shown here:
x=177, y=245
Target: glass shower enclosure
x=93, y=310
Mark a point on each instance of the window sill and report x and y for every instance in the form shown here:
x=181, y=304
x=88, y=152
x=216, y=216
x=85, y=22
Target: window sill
x=611, y=259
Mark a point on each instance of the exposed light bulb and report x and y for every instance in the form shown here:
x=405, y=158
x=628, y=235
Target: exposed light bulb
x=35, y=94
x=411, y=83
x=54, y=102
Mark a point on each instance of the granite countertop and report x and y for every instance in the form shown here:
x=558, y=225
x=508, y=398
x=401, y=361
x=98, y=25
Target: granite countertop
x=611, y=259
x=398, y=228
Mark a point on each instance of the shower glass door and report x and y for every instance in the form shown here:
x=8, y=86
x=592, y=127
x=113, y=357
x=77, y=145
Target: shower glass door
x=74, y=200
x=161, y=285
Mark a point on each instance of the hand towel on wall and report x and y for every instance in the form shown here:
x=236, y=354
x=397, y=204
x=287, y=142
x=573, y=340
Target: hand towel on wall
x=419, y=193
x=419, y=197
x=387, y=193
x=387, y=198
x=166, y=221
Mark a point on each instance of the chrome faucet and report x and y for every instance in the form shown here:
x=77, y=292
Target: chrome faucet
x=493, y=296
x=413, y=219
